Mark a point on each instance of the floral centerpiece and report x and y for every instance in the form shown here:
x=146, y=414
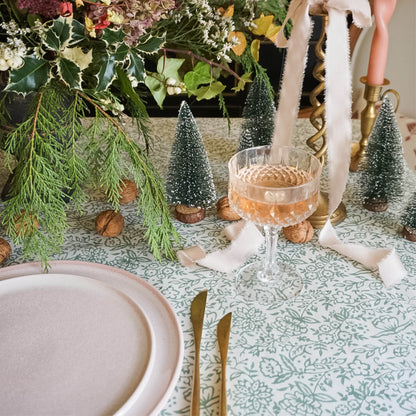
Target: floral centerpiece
x=78, y=59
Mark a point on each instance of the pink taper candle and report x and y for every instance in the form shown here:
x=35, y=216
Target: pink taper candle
x=383, y=10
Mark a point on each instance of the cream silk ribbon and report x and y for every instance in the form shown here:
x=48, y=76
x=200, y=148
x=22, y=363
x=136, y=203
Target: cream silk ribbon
x=338, y=93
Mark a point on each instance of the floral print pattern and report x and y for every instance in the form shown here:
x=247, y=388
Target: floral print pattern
x=345, y=346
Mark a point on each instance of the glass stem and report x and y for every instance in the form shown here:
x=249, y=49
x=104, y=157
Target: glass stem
x=270, y=268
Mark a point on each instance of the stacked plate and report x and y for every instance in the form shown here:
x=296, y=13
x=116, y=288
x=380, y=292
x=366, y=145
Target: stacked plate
x=85, y=339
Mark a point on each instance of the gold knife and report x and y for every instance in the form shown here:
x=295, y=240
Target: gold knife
x=197, y=318
x=223, y=336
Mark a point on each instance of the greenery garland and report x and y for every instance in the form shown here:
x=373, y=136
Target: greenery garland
x=55, y=164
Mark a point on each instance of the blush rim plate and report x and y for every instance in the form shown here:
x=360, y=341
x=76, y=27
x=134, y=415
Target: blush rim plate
x=168, y=345
x=25, y=290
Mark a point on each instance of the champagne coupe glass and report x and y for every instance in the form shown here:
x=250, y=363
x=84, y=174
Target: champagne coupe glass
x=272, y=187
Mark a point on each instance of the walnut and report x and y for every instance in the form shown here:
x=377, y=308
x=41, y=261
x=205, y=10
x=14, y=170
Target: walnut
x=109, y=223
x=225, y=212
x=25, y=223
x=5, y=250
x=409, y=233
x=128, y=191
x=299, y=233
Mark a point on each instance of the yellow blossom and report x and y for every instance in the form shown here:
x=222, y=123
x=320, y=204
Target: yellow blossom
x=255, y=49
x=239, y=42
x=114, y=17
x=89, y=25
x=264, y=26
x=79, y=3
x=228, y=12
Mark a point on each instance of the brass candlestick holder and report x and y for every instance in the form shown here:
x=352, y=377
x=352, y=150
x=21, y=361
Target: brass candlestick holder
x=368, y=117
x=372, y=94
x=317, y=142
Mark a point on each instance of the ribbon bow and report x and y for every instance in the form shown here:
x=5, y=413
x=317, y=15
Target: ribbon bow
x=338, y=93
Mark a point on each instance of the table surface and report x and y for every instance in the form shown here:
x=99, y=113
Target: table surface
x=345, y=346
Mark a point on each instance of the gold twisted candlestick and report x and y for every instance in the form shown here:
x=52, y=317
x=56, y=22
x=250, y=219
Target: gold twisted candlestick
x=317, y=142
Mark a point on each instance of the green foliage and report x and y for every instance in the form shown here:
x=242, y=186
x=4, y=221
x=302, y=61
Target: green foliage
x=408, y=217
x=383, y=167
x=258, y=116
x=167, y=68
x=189, y=180
x=55, y=163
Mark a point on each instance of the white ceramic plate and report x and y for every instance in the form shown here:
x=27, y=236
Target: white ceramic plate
x=72, y=345
x=168, y=338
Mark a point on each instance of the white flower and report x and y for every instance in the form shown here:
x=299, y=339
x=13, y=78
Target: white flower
x=171, y=82
x=15, y=62
x=4, y=66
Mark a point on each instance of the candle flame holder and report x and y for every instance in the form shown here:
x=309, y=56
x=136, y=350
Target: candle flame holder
x=372, y=94
x=317, y=142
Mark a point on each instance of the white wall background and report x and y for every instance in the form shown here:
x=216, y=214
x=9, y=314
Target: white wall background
x=401, y=62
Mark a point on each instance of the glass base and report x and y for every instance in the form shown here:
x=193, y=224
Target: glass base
x=287, y=284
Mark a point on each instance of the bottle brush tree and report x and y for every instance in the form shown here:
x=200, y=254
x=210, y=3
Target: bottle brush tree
x=408, y=219
x=258, y=115
x=189, y=180
x=382, y=169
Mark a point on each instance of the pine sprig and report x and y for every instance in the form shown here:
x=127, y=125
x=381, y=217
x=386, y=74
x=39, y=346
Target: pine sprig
x=37, y=194
x=54, y=165
x=112, y=165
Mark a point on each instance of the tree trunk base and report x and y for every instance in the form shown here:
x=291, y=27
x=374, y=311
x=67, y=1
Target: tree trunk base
x=189, y=215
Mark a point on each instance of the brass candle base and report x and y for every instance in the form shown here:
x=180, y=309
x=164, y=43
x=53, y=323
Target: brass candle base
x=320, y=216
x=318, y=141
x=372, y=94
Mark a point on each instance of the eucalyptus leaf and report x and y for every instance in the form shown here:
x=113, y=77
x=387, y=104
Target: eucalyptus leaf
x=70, y=73
x=157, y=88
x=32, y=75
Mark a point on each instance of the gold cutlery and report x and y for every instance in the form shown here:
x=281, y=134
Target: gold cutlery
x=223, y=336
x=197, y=318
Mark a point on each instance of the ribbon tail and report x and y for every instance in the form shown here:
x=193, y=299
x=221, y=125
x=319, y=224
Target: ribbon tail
x=387, y=261
x=339, y=134
x=338, y=91
x=293, y=75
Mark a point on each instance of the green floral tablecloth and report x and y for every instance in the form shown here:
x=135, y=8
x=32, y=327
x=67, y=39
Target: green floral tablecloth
x=344, y=346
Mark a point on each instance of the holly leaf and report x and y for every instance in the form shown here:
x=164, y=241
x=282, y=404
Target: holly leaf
x=200, y=75
x=70, y=73
x=112, y=36
x=157, y=88
x=121, y=52
x=33, y=74
x=106, y=74
x=58, y=34
x=169, y=67
x=77, y=33
x=151, y=45
x=210, y=91
x=136, y=67
x=244, y=79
